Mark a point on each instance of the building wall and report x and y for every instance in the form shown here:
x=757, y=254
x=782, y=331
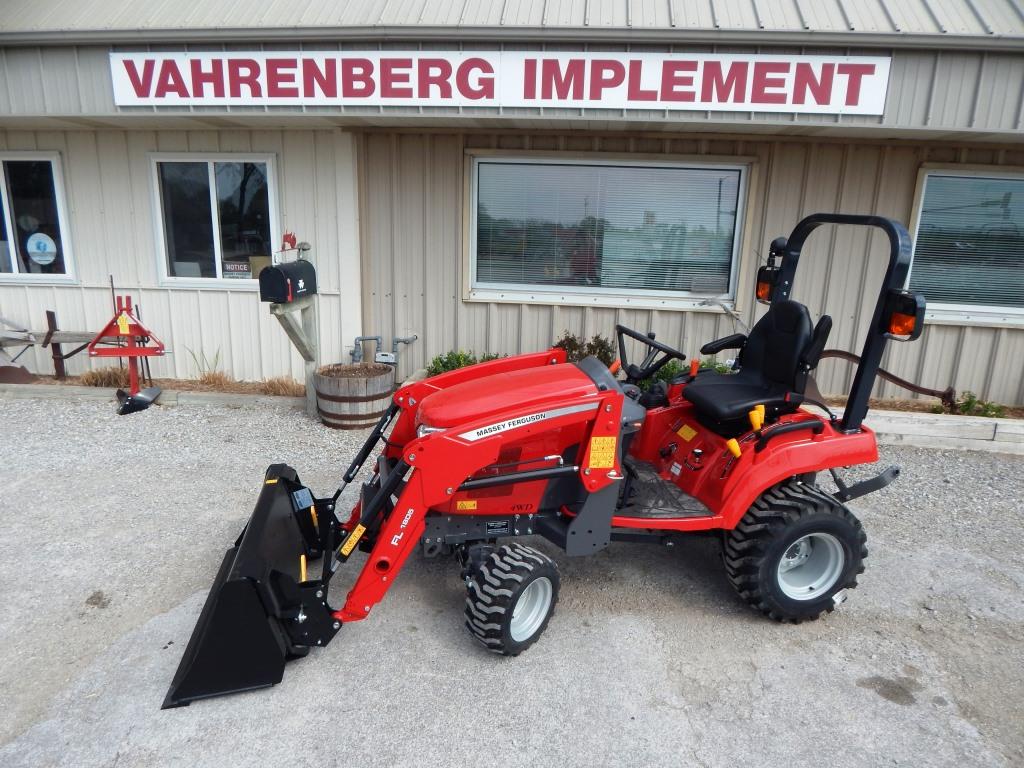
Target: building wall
x=972, y=91
x=108, y=191
x=414, y=212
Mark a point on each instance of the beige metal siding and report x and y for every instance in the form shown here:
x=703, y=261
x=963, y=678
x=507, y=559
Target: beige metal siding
x=936, y=92
x=413, y=203
x=108, y=179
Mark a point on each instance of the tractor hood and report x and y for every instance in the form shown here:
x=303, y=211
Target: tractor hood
x=503, y=394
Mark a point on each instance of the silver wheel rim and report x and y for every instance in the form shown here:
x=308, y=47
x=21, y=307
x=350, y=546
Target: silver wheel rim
x=531, y=609
x=811, y=566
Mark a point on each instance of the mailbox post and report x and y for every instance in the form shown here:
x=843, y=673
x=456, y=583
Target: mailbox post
x=290, y=288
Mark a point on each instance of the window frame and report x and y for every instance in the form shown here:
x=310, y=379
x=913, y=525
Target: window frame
x=589, y=296
x=70, y=275
x=962, y=314
x=164, y=278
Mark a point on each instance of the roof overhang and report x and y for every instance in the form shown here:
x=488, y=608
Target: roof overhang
x=518, y=36
x=468, y=124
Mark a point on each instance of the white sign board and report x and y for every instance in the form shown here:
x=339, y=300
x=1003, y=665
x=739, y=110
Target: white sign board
x=850, y=85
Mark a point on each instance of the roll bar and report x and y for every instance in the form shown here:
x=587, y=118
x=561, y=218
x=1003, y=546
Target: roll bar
x=892, y=287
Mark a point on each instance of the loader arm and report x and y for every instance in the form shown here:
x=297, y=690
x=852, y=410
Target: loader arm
x=435, y=466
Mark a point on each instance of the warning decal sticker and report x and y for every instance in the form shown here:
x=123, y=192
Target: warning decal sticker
x=602, y=452
x=686, y=432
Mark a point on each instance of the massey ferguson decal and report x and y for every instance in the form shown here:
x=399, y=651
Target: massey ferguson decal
x=853, y=85
x=522, y=421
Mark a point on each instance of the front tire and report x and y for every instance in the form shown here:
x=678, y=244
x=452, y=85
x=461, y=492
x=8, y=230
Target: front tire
x=510, y=598
x=795, y=552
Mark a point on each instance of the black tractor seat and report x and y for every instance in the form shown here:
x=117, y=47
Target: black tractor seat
x=775, y=360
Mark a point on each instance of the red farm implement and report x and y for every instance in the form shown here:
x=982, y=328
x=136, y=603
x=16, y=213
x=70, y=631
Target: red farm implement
x=125, y=337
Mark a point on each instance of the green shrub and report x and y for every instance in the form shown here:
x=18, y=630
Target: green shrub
x=713, y=364
x=666, y=373
x=576, y=348
x=972, y=405
x=452, y=361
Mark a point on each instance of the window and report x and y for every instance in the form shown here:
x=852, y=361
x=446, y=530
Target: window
x=600, y=231
x=969, y=245
x=216, y=217
x=32, y=227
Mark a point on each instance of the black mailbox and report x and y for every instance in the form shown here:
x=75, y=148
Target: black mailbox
x=284, y=283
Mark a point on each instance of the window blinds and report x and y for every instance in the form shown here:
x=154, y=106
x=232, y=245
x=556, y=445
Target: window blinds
x=970, y=241
x=624, y=227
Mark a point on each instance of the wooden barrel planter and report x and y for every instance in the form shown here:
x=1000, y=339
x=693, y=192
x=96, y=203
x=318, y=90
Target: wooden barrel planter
x=353, y=396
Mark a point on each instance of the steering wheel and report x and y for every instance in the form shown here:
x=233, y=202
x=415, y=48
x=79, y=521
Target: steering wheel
x=651, y=363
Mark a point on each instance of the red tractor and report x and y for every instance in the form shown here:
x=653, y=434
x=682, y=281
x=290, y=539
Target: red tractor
x=534, y=446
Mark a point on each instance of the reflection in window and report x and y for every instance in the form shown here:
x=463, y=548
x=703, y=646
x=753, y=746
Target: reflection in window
x=970, y=241
x=188, y=226
x=30, y=235
x=620, y=227
x=243, y=208
x=240, y=217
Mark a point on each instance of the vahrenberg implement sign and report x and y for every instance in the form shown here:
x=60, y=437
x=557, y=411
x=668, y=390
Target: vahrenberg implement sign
x=852, y=85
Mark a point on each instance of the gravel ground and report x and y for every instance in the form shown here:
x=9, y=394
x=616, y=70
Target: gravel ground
x=111, y=530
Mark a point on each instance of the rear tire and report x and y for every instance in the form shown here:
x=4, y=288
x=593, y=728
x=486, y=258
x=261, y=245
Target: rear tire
x=794, y=551
x=510, y=598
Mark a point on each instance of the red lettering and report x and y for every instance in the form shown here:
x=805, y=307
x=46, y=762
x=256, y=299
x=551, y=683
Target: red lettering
x=484, y=88
x=201, y=78
x=141, y=85
x=243, y=72
x=763, y=80
x=170, y=80
x=730, y=88
x=434, y=72
x=394, y=83
x=530, y=79
x=553, y=80
x=855, y=73
x=633, y=90
x=356, y=78
x=676, y=75
x=314, y=79
x=281, y=78
x=804, y=80
x=605, y=73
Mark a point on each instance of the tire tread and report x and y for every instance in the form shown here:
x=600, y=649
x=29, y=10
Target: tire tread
x=746, y=545
x=490, y=590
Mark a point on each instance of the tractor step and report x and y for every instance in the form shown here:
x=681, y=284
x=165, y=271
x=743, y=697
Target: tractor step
x=651, y=496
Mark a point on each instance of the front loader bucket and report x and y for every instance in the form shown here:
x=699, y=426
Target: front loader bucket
x=258, y=614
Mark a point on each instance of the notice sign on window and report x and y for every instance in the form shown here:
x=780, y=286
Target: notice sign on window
x=852, y=85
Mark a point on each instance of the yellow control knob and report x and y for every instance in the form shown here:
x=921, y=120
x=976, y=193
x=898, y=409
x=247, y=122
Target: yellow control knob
x=733, y=446
x=756, y=419
x=760, y=409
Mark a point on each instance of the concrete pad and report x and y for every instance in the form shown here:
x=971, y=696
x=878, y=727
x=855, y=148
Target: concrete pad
x=111, y=529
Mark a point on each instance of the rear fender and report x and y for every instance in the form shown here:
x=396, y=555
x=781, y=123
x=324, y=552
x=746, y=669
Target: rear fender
x=788, y=456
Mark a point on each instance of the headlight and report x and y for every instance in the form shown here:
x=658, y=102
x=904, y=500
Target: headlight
x=423, y=429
